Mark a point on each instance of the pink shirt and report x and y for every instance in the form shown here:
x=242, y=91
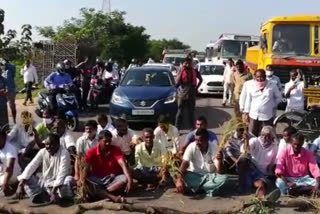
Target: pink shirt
x=291, y=165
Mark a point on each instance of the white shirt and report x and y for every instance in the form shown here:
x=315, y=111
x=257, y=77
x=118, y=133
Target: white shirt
x=261, y=105
x=125, y=141
x=19, y=137
x=198, y=162
x=282, y=145
x=108, y=127
x=262, y=157
x=228, y=74
x=169, y=140
x=296, y=99
x=84, y=144
x=6, y=153
x=54, y=168
x=29, y=74
x=242, y=100
x=67, y=141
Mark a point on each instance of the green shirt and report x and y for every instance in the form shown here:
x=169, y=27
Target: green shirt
x=144, y=159
x=43, y=131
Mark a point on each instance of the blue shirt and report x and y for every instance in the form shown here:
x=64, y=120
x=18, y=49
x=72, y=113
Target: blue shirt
x=191, y=137
x=3, y=85
x=57, y=79
x=10, y=74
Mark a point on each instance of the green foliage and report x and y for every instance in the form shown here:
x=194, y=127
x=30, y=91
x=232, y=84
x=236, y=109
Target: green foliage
x=258, y=207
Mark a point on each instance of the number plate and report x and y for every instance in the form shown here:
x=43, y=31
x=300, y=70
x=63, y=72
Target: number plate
x=143, y=112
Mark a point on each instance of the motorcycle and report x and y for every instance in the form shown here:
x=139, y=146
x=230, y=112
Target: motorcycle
x=61, y=101
x=96, y=90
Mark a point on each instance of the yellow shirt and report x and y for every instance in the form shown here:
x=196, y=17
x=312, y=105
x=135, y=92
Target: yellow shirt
x=239, y=79
x=144, y=159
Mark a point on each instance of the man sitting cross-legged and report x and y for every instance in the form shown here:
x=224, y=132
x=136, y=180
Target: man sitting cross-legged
x=201, y=167
x=55, y=181
x=294, y=165
x=108, y=173
x=149, y=156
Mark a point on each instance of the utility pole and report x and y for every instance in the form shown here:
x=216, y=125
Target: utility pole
x=106, y=6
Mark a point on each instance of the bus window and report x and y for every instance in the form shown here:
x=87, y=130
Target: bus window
x=316, y=39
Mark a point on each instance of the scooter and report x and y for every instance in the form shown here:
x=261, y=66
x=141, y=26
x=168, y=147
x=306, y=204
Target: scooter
x=61, y=101
x=95, y=93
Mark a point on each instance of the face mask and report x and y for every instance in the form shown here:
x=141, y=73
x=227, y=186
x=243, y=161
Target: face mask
x=47, y=121
x=269, y=73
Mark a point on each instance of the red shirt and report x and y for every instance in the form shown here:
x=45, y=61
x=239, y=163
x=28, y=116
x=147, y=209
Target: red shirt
x=103, y=166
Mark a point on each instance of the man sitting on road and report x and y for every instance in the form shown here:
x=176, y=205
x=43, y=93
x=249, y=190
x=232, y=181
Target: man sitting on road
x=201, y=167
x=201, y=123
x=44, y=128
x=294, y=167
x=104, y=123
x=108, y=173
x=167, y=135
x=149, y=156
x=263, y=151
x=9, y=166
x=124, y=138
x=55, y=181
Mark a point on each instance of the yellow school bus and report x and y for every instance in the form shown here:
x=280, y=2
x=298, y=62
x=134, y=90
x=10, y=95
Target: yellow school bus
x=287, y=43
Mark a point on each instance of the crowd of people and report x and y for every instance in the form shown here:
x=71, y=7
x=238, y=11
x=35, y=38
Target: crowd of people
x=112, y=159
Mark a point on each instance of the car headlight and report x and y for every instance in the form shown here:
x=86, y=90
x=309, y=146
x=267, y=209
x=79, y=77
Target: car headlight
x=170, y=99
x=117, y=99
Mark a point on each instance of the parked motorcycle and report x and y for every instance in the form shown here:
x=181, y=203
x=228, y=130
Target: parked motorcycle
x=96, y=91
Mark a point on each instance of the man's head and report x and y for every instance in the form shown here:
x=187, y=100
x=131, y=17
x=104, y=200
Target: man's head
x=121, y=126
x=187, y=64
x=240, y=132
x=105, y=139
x=102, y=120
x=297, y=141
x=3, y=137
x=240, y=66
x=60, y=67
x=59, y=127
x=267, y=135
x=67, y=63
x=90, y=128
x=202, y=138
x=201, y=123
x=287, y=133
x=293, y=75
x=269, y=71
x=47, y=117
x=52, y=143
x=230, y=62
x=28, y=62
x=3, y=66
x=147, y=135
x=164, y=123
x=260, y=75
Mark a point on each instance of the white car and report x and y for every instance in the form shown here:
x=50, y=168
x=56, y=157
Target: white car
x=171, y=67
x=212, y=75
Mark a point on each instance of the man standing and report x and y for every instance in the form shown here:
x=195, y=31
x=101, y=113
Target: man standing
x=293, y=91
x=273, y=78
x=9, y=73
x=261, y=102
x=3, y=100
x=188, y=86
x=228, y=82
x=240, y=77
x=30, y=77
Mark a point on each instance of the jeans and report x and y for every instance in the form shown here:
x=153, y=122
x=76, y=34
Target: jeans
x=28, y=87
x=187, y=105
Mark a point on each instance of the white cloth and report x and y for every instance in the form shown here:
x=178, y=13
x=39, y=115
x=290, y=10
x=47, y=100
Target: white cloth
x=108, y=127
x=242, y=100
x=67, y=141
x=282, y=145
x=55, y=168
x=169, y=140
x=6, y=153
x=227, y=91
x=261, y=105
x=296, y=99
x=84, y=144
x=275, y=80
x=19, y=137
x=262, y=157
x=198, y=162
x=125, y=141
x=228, y=74
x=29, y=74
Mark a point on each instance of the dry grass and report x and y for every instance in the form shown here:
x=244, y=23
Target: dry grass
x=82, y=187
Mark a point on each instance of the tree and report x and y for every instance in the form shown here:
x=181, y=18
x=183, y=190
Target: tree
x=26, y=40
x=47, y=31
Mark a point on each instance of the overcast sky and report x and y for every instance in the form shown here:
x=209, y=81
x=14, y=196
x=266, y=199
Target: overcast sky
x=194, y=22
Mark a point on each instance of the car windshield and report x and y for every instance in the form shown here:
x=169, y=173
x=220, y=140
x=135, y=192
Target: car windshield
x=291, y=39
x=211, y=69
x=146, y=77
x=174, y=60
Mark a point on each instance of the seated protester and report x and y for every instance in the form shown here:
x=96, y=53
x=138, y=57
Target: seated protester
x=66, y=139
x=149, y=156
x=286, y=138
x=263, y=151
x=200, y=123
x=315, y=148
x=125, y=138
x=25, y=139
x=201, y=167
x=55, y=181
x=104, y=124
x=9, y=166
x=108, y=173
x=167, y=134
x=44, y=128
x=294, y=167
